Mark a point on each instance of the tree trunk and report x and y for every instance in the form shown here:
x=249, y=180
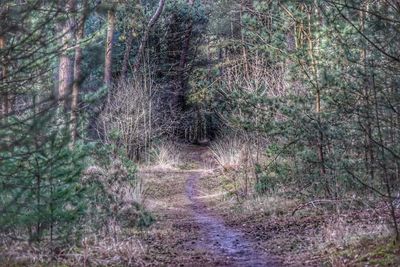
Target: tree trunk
x=65, y=72
x=185, y=47
x=181, y=77
x=146, y=34
x=311, y=52
x=125, y=62
x=4, y=101
x=109, y=48
x=6, y=97
x=77, y=74
x=369, y=151
x=244, y=50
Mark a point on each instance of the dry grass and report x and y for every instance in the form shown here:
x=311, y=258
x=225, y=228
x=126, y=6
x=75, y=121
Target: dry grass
x=118, y=183
x=351, y=242
x=163, y=157
x=237, y=156
x=108, y=252
x=316, y=236
x=93, y=251
x=105, y=238
x=268, y=205
x=166, y=155
x=341, y=232
x=228, y=152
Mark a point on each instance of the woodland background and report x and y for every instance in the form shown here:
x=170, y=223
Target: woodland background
x=298, y=99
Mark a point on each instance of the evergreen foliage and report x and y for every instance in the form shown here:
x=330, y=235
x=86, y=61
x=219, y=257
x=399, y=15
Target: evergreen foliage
x=41, y=193
x=326, y=98
x=311, y=89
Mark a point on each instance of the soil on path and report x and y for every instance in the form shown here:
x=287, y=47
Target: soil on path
x=187, y=233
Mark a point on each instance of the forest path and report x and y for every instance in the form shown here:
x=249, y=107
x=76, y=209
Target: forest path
x=187, y=233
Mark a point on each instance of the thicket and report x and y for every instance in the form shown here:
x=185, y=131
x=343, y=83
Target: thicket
x=67, y=184
x=306, y=90
x=315, y=85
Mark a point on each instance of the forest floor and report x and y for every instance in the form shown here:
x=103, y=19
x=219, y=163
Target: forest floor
x=197, y=224
x=187, y=232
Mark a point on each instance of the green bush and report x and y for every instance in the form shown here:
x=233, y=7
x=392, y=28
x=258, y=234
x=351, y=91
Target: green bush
x=41, y=196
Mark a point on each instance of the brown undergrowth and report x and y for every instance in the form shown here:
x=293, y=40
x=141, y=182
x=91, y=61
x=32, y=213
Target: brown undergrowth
x=318, y=234
x=315, y=235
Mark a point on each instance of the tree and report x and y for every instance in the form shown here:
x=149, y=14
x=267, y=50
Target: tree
x=66, y=65
x=40, y=177
x=80, y=31
x=41, y=194
x=185, y=46
x=5, y=99
x=145, y=37
x=3, y=75
x=330, y=112
x=109, y=47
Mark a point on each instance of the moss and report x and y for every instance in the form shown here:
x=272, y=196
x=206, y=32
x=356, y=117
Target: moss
x=382, y=252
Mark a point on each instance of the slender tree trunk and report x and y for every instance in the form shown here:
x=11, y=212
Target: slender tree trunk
x=109, y=48
x=387, y=179
x=244, y=50
x=6, y=97
x=65, y=72
x=315, y=73
x=184, y=54
x=185, y=48
x=146, y=34
x=4, y=100
x=369, y=152
x=77, y=74
x=125, y=62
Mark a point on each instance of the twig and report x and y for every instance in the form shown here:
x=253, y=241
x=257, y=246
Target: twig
x=313, y=202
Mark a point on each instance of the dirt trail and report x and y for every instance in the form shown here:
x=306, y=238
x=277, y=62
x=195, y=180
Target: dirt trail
x=220, y=239
x=191, y=235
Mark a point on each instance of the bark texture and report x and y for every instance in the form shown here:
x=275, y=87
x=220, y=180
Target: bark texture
x=127, y=52
x=152, y=21
x=77, y=73
x=3, y=72
x=109, y=48
x=65, y=72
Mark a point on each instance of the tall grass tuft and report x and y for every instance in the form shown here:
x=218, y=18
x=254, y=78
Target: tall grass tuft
x=228, y=152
